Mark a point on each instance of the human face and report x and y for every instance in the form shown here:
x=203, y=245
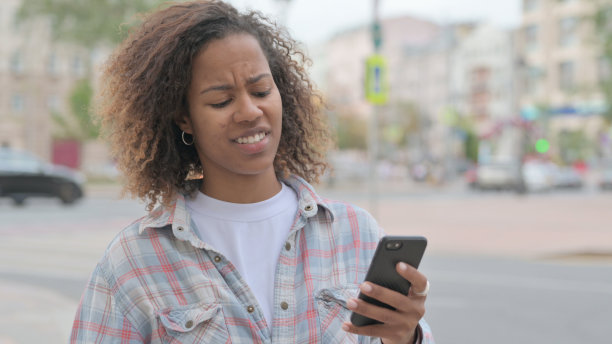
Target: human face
x=235, y=109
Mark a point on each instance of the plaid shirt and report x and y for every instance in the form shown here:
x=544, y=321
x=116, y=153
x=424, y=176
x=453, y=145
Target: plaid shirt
x=159, y=283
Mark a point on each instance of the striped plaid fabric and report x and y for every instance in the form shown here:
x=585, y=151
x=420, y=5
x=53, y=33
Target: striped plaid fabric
x=159, y=283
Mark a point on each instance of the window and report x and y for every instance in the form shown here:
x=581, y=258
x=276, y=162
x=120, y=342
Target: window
x=568, y=31
x=533, y=77
x=17, y=26
x=531, y=37
x=480, y=95
x=53, y=103
x=530, y=5
x=52, y=64
x=12, y=161
x=566, y=76
x=16, y=63
x=17, y=103
x=604, y=70
x=78, y=69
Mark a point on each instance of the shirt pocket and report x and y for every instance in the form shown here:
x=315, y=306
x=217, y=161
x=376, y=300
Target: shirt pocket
x=195, y=323
x=332, y=312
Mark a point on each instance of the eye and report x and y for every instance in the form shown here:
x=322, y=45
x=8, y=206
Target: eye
x=261, y=94
x=222, y=104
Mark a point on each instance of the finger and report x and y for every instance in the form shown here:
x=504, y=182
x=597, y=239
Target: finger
x=394, y=334
x=413, y=293
x=384, y=315
x=377, y=330
x=414, y=276
x=391, y=297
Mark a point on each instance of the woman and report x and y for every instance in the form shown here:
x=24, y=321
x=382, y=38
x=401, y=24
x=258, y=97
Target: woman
x=212, y=116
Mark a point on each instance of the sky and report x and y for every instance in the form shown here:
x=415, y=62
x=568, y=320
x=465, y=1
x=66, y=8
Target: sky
x=314, y=21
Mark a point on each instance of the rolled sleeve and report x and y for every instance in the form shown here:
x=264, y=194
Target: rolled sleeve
x=424, y=333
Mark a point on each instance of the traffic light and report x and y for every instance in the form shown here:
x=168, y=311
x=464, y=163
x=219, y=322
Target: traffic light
x=542, y=146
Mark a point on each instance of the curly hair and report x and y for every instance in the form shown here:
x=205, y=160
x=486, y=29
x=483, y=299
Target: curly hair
x=144, y=89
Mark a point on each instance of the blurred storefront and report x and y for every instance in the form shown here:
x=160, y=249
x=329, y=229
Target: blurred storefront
x=563, y=68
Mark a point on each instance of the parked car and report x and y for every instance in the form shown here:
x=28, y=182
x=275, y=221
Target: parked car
x=471, y=177
x=499, y=176
x=539, y=175
x=568, y=178
x=22, y=175
x=605, y=179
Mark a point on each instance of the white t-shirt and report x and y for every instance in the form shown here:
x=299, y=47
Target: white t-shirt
x=248, y=235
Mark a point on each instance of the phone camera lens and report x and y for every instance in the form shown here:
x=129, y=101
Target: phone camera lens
x=393, y=245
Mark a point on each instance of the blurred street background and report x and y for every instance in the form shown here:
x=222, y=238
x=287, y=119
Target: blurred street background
x=484, y=126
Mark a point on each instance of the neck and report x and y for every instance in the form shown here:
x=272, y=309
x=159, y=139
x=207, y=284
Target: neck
x=242, y=189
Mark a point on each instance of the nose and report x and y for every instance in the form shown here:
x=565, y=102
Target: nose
x=247, y=110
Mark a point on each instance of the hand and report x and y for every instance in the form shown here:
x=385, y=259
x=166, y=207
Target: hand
x=399, y=325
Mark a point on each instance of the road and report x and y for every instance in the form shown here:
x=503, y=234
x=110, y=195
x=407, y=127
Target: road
x=503, y=268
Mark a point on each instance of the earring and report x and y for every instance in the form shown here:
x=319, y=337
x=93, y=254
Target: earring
x=185, y=141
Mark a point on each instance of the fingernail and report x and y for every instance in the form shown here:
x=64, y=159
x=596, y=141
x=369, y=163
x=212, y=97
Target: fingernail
x=345, y=327
x=403, y=266
x=351, y=304
x=366, y=287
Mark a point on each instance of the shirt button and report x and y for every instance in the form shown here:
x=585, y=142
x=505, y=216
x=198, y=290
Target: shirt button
x=180, y=229
x=189, y=324
x=284, y=305
x=250, y=309
x=287, y=246
x=308, y=207
x=217, y=259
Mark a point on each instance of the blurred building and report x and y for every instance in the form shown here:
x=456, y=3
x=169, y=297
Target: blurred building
x=418, y=57
x=562, y=66
x=485, y=88
x=484, y=78
x=36, y=78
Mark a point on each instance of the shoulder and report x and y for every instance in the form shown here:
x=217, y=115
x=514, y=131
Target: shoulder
x=346, y=211
x=306, y=193
x=134, y=248
x=349, y=216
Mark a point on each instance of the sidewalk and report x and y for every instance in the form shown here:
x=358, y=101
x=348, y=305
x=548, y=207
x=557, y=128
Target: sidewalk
x=571, y=226
x=33, y=314
x=561, y=224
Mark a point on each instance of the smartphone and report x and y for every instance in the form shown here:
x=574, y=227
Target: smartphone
x=390, y=251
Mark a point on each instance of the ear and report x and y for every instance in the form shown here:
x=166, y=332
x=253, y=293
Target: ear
x=184, y=123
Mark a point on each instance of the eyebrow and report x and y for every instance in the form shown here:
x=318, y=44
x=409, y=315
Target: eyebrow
x=226, y=87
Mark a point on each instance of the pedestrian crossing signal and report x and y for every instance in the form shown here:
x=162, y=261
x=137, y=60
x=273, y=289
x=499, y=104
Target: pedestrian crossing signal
x=376, y=84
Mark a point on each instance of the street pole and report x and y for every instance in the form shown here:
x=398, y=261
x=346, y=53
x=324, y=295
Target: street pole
x=373, y=137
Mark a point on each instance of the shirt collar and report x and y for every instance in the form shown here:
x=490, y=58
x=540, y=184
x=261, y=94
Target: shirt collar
x=308, y=199
x=177, y=216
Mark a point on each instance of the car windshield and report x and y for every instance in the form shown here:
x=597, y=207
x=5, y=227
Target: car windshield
x=13, y=161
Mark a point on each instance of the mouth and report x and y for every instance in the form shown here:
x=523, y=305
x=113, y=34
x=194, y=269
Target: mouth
x=251, y=139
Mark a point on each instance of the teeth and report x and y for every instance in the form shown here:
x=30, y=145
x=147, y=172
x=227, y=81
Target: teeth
x=251, y=139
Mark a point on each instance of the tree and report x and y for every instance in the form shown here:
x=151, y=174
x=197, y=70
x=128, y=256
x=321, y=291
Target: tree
x=90, y=24
x=87, y=23
x=602, y=21
x=464, y=126
x=80, y=126
x=574, y=145
x=351, y=131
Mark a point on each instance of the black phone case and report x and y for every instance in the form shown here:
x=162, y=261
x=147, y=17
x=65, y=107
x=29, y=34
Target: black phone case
x=382, y=269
